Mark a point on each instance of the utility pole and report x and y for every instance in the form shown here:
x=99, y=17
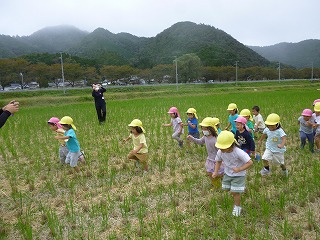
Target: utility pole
x=62, y=73
x=176, y=60
x=21, y=74
x=237, y=73
x=279, y=72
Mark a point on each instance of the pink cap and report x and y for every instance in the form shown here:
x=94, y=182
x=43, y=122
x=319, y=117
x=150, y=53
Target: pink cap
x=174, y=110
x=315, y=101
x=241, y=119
x=55, y=121
x=307, y=112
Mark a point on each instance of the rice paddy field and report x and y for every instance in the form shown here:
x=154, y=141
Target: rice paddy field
x=112, y=199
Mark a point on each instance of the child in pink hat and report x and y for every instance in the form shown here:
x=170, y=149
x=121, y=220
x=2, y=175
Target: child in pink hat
x=177, y=125
x=306, y=122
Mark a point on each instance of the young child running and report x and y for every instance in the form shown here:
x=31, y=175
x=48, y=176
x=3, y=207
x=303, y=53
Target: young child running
x=177, y=125
x=192, y=124
x=275, y=144
x=235, y=162
x=139, y=154
x=249, y=126
x=306, y=122
x=243, y=137
x=316, y=116
x=259, y=125
x=71, y=142
x=233, y=114
x=209, y=139
x=63, y=150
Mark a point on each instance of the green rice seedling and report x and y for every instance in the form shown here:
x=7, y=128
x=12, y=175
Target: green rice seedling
x=125, y=206
x=53, y=224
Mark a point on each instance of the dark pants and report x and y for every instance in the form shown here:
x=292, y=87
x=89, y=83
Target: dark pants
x=303, y=138
x=101, y=111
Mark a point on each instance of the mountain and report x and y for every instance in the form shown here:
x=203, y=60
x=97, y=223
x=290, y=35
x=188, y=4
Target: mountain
x=300, y=55
x=213, y=46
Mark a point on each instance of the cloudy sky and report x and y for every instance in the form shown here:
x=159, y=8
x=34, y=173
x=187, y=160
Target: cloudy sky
x=251, y=22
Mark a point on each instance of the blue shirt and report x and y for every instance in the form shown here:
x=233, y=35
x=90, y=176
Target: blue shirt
x=231, y=119
x=194, y=121
x=274, y=138
x=73, y=143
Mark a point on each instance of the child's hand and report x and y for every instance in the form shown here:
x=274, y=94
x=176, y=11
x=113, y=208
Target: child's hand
x=189, y=137
x=236, y=170
x=124, y=140
x=57, y=137
x=280, y=146
x=214, y=175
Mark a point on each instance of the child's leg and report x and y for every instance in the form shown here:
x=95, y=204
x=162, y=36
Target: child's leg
x=144, y=161
x=303, y=138
x=311, y=142
x=236, y=198
x=317, y=141
x=176, y=136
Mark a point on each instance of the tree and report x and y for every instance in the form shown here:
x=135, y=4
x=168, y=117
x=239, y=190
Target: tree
x=189, y=67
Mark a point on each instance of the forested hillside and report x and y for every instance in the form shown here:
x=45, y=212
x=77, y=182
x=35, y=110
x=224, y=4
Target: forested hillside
x=213, y=46
x=300, y=55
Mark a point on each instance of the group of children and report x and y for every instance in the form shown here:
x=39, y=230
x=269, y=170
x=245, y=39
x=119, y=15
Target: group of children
x=230, y=153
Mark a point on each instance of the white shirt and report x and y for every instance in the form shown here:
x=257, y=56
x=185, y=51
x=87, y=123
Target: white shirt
x=259, y=119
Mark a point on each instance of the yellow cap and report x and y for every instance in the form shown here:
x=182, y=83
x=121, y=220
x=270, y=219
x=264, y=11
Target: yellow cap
x=136, y=123
x=207, y=122
x=225, y=139
x=317, y=107
x=245, y=113
x=232, y=106
x=193, y=111
x=68, y=120
x=272, y=119
x=216, y=121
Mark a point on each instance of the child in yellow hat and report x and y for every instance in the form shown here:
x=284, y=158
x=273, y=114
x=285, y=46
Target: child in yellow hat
x=235, y=162
x=192, y=123
x=140, y=148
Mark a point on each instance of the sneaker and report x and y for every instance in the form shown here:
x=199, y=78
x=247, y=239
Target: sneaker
x=137, y=164
x=181, y=144
x=264, y=172
x=236, y=211
x=285, y=173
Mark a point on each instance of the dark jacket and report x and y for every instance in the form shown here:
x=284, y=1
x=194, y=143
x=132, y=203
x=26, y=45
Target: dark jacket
x=3, y=117
x=98, y=96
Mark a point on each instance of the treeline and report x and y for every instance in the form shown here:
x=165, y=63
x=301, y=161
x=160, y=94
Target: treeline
x=48, y=68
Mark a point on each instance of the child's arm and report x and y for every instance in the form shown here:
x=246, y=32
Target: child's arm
x=227, y=127
x=167, y=124
x=62, y=137
x=138, y=149
x=126, y=139
x=263, y=136
x=243, y=167
x=216, y=169
x=193, y=126
x=181, y=127
x=283, y=142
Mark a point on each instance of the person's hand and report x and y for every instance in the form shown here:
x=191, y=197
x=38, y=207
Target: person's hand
x=189, y=137
x=214, y=175
x=236, y=170
x=12, y=107
x=280, y=146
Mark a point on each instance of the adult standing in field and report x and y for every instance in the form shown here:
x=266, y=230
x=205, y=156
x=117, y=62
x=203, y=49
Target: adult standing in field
x=100, y=103
x=7, y=111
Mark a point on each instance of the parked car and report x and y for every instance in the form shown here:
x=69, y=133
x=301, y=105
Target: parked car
x=211, y=81
x=13, y=86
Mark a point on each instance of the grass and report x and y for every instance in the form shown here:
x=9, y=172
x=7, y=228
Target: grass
x=111, y=199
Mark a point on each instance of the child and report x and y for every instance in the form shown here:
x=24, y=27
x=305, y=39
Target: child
x=233, y=114
x=306, y=122
x=71, y=142
x=259, y=124
x=316, y=116
x=209, y=139
x=217, y=124
x=235, y=162
x=63, y=150
x=177, y=125
x=243, y=137
x=275, y=144
x=192, y=124
x=140, y=149
x=249, y=126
